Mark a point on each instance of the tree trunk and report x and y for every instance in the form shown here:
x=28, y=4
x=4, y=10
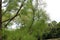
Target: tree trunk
x=0, y=20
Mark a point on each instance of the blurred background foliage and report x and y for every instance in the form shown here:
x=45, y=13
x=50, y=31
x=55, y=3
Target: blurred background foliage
x=31, y=21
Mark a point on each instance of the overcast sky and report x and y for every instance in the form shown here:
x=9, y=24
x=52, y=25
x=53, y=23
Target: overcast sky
x=53, y=9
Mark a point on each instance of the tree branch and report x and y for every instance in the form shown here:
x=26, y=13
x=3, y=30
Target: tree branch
x=14, y=16
x=33, y=9
x=30, y=30
x=32, y=19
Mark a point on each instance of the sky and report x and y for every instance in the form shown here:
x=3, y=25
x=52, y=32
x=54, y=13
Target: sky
x=53, y=9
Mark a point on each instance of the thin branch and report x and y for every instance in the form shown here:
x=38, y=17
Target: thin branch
x=33, y=9
x=32, y=19
x=15, y=15
x=30, y=30
x=9, y=19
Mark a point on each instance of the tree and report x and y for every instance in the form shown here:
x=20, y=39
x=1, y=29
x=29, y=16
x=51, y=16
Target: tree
x=58, y=25
x=54, y=23
x=29, y=18
x=0, y=19
x=54, y=30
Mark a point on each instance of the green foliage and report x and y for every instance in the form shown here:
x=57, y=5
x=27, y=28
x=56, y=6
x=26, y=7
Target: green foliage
x=6, y=16
x=58, y=25
x=30, y=20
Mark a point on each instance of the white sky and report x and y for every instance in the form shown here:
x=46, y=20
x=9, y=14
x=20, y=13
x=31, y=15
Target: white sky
x=53, y=9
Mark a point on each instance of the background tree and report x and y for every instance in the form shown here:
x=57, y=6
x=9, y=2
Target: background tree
x=54, y=31
x=30, y=19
